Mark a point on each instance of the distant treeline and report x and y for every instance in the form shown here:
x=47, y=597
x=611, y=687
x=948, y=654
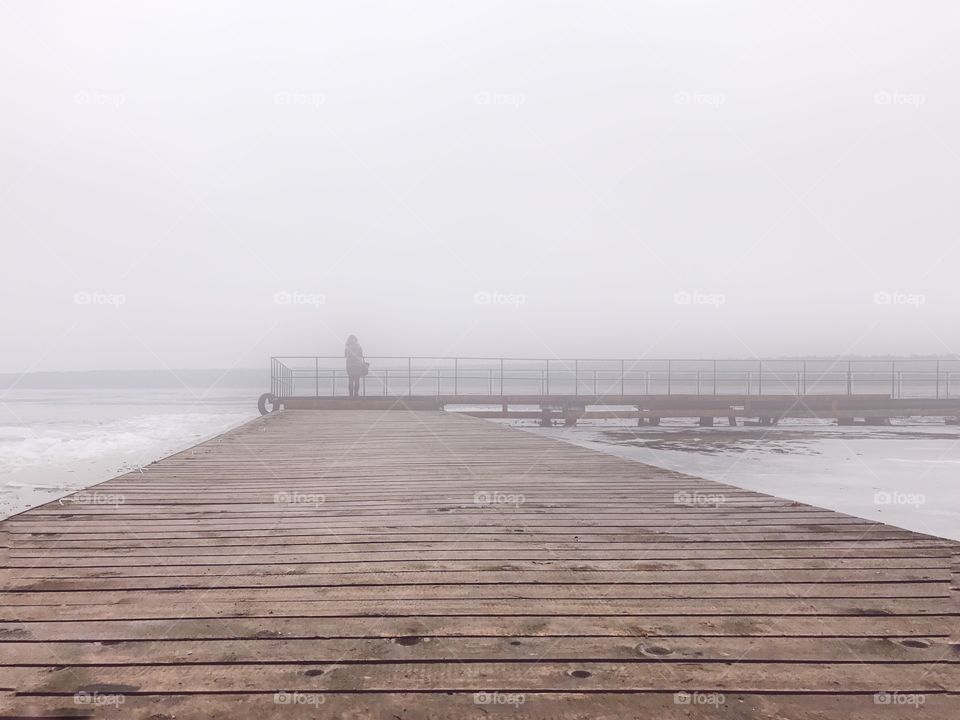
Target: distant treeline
x=79, y=380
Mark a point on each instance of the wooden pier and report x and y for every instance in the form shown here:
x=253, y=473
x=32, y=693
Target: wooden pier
x=421, y=564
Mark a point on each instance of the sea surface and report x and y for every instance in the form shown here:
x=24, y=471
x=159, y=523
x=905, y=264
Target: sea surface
x=53, y=443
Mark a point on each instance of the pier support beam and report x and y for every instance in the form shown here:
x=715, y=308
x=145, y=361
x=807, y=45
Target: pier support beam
x=732, y=420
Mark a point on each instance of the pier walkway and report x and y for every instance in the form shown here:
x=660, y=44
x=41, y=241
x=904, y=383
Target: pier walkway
x=422, y=564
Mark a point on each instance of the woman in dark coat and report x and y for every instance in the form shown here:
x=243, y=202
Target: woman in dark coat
x=355, y=364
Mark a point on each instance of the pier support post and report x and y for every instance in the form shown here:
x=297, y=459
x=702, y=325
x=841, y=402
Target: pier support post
x=545, y=420
x=571, y=415
x=706, y=422
x=732, y=420
x=654, y=421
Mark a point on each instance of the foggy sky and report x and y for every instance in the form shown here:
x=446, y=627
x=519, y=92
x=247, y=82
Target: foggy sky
x=204, y=185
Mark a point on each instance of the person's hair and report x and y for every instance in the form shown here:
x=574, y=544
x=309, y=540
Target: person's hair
x=352, y=340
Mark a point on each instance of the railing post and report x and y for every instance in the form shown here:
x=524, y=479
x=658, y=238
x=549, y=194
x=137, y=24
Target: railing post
x=669, y=376
x=548, y=375
x=595, y=383
x=576, y=377
x=760, y=377
x=938, y=379
x=698, y=382
x=849, y=377
x=456, y=375
x=386, y=381
x=893, y=378
x=622, y=393
x=409, y=377
x=501, y=377
x=316, y=375
x=804, y=377
x=714, y=377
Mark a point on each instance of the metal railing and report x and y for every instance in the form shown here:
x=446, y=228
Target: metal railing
x=302, y=376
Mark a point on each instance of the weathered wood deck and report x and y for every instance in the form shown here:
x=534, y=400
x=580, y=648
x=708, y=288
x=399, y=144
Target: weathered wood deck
x=395, y=564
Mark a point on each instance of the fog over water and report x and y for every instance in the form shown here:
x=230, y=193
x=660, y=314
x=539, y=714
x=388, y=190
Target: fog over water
x=203, y=186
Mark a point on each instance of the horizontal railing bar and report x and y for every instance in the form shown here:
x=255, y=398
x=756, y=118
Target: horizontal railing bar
x=585, y=359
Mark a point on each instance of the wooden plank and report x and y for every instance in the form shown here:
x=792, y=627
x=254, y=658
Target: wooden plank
x=374, y=591
x=478, y=580
x=566, y=606
x=743, y=625
x=580, y=675
x=486, y=704
x=422, y=649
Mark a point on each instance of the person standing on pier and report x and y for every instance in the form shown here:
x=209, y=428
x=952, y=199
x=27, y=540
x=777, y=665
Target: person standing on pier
x=356, y=365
